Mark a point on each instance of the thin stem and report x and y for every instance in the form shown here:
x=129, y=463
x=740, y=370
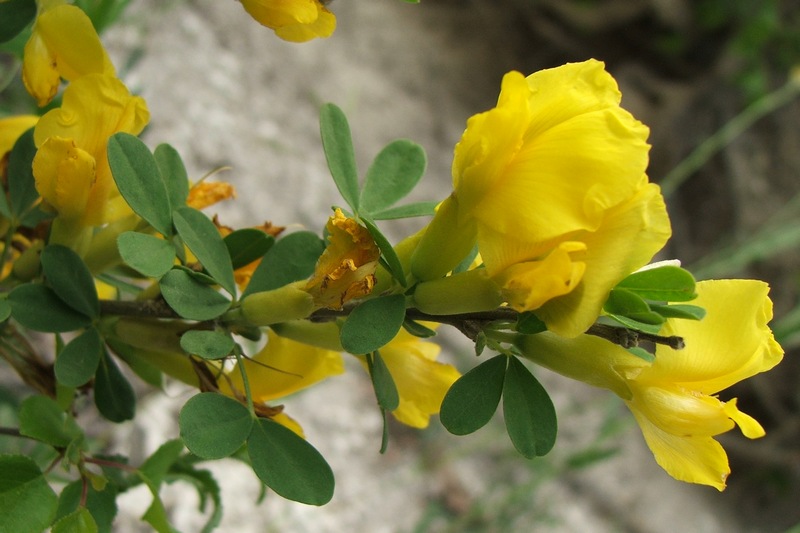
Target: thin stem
x=111, y=464
x=12, y=432
x=728, y=133
x=245, y=381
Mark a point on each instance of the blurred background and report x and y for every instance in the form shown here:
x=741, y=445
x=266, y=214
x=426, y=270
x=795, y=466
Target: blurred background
x=710, y=78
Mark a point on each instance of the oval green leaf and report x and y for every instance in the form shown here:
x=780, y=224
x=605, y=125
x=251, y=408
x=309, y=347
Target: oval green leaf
x=38, y=308
x=190, y=298
x=393, y=174
x=139, y=181
x=390, y=257
x=685, y=311
x=288, y=464
x=338, y=146
x=292, y=258
x=78, y=521
x=77, y=362
x=27, y=503
x=664, y=284
x=373, y=323
x=113, y=394
x=417, y=209
x=528, y=411
x=174, y=174
x=203, y=239
x=147, y=254
x=214, y=426
x=101, y=504
x=207, y=344
x=21, y=183
x=69, y=277
x=42, y=419
x=473, y=399
x=246, y=245
x=383, y=383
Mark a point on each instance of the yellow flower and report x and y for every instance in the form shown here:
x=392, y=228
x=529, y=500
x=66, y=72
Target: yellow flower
x=11, y=128
x=283, y=367
x=293, y=20
x=674, y=398
x=63, y=44
x=543, y=183
x=346, y=269
x=71, y=166
x=421, y=381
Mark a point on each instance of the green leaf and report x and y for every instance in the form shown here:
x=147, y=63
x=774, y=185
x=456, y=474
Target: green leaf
x=78, y=521
x=246, y=245
x=139, y=181
x=389, y=255
x=417, y=329
x=214, y=426
x=77, y=362
x=417, y=209
x=688, y=312
x=373, y=323
x=27, y=503
x=203, y=239
x=69, y=277
x=530, y=324
x=173, y=172
x=529, y=413
x=664, y=284
x=191, y=298
x=393, y=174
x=5, y=310
x=15, y=15
x=338, y=145
x=207, y=344
x=622, y=302
x=21, y=184
x=113, y=394
x=38, y=308
x=292, y=258
x=147, y=254
x=641, y=353
x=101, y=504
x=41, y=418
x=473, y=399
x=382, y=381
x=288, y=464
x=157, y=466
x=635, y=324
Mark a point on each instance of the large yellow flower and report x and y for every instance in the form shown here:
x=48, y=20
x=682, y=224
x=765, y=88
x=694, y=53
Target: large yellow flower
x=551, y=186
x=71, y=166
x=674, y=398
x=293, y=20
x=63, y=44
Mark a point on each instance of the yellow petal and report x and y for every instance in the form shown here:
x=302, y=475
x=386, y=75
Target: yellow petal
x=278, y=13
x=289, y=422
x=691, y=459
x=64, y=176
x=749, y=425
x=628, y=237
x=283, y=367
x=63, y=44
x=528, y=285
x=11, y=128
x=733, y=342
x=322, y=27
x=207, y=193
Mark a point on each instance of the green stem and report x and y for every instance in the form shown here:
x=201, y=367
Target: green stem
x=245, y=381
x=727, y=133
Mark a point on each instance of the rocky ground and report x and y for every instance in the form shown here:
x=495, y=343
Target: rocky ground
x=226, y=92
